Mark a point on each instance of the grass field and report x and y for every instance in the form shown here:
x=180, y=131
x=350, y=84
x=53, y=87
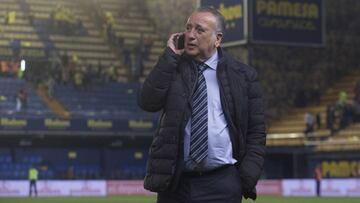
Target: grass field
x=151, y=199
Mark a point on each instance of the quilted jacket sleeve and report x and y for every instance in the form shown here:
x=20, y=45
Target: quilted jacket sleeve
x=152, y=95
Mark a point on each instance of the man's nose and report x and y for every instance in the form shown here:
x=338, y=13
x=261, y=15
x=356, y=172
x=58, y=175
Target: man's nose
x=191, y=34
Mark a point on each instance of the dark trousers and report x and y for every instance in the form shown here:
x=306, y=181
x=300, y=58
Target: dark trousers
x=220, y=186
x=318, y=188
x=32, y=186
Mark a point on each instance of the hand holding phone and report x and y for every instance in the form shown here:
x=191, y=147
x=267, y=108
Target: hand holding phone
x=176, y=42
x=180, y=42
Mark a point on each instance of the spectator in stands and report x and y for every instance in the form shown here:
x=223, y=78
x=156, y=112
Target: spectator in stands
x=318, y=177
x=78, y=79
x=111, y=73
x=309, y=123
x=21, y=99
x=65, y=76
x=100, y=73
x=148, y=42
x=127, y=57
x=6, y=17
x=137, y=62
x=342, y=99
x=215, y=157
x=11, y=17
x=318, y=120
x=344, y=110
x=356, y=108
x=5, y=68
x=31, y=18
x=33, y=177
x=16, y=48
x=65, y=59
x=330, y=118
x=108, y=25
x=53, y=24
x=14, y=67
x=357, y=91
x=88, y=75
x=50, y=87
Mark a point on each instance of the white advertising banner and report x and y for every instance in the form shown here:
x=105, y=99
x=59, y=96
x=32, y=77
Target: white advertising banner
x=297, y=187
x=329, y=187
x=14, y=188
x=130, y=187
x=340, y=187
x=54, y=188
x=353, y=188
x=287, y=187
x=269, y=187
x=88, y=188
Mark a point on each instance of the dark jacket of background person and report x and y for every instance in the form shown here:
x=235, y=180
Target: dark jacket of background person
x=169, y=87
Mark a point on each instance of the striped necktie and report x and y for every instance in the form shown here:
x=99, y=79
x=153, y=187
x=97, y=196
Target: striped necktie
x=199, y=119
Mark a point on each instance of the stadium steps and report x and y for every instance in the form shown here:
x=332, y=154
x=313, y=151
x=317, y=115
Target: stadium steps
x=53, y=104
x=351, y=131
x=293, y=123
x=347, y=139
x=132, y=22
x=19, y=29
x=90, y=47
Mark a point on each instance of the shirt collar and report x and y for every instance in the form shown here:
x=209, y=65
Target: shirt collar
x=213, y=61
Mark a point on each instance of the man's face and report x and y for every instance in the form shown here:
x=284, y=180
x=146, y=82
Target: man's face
x=201, y=36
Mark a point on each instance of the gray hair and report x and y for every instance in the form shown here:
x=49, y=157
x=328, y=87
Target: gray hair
x=220, y=20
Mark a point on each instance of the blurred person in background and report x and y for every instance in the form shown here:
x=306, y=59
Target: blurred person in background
x=21, y=99
x=33, y=177
x=318, y=120
x=318, y=177
x=357, y=91
x=309, y=120
x=210, y=142
x=356, y=103
x=330, y=118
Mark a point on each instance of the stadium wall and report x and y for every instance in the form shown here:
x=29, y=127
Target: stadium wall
x=286, y=187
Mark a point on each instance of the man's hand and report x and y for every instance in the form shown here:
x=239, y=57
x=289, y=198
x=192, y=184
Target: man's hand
x=172, y=43
x=250, y=194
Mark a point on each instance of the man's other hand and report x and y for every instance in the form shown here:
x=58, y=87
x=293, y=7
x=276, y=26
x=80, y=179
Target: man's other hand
x=250, y=194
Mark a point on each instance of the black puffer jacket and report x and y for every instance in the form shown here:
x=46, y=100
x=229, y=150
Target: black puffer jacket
x=169, y=87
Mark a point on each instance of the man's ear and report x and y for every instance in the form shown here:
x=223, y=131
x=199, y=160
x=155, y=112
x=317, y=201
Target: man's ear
x=219, y=37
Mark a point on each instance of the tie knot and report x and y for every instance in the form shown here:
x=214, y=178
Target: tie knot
x=202, y=67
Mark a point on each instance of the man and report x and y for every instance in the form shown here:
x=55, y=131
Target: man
x=33, y=177
x=309, y=123
x=318, y=177
x=210, y=142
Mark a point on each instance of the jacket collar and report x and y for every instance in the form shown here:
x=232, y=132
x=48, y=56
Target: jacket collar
x=220, y=52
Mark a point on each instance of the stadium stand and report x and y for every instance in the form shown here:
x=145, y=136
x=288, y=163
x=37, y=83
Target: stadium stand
x=135, y=28
x=35, y=108
x=78, y=163
x=108, y=101
x=15, y=31
x=289, y=130
x=89, y=46
x=33, y=27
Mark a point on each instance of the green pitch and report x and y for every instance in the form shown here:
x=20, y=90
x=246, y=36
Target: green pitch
x=152, y=199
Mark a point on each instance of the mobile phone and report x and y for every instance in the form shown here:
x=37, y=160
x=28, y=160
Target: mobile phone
x=180, y=42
